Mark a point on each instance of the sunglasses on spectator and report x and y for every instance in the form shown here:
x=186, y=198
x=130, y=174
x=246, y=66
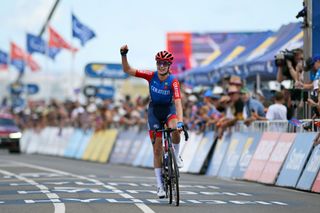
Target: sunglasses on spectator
x=163, y=63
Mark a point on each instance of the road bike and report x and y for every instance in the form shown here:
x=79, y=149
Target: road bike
x=170, y=170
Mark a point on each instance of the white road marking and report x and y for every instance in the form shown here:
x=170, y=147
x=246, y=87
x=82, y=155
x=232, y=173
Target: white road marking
x=54, y=198
x=141, y=206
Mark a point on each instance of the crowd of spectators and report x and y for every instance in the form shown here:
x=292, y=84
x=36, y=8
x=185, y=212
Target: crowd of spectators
x=220, y=107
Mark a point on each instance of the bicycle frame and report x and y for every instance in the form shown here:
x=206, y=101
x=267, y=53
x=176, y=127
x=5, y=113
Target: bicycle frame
x=170, y=170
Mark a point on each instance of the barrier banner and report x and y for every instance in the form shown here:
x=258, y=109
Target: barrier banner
x=91, y=146
x=26, y=139
x=50, y=141
x=248, y=150
x=310, y=172
x=296, y=159
x=73, y=143
x=147, y=159
x=189, y=149
x=202, y=152
x=83, y=143
x=109, y=138
x=101, y=140
x=277, y=158
x=218, y=155
x=233, y=154
x=136, y=144
x=261, y=155
x=122, y=145
x=316, y=184
x=145, y=143
x=64, y=139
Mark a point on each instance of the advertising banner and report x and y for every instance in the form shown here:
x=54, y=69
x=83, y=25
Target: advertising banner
x=103, y=70
x=233, y=154
x=296, y=159
x=261, y=155
x=277, y=158
x=310, y=172
x=202, y=152
x=218, y=154
x=248, y=150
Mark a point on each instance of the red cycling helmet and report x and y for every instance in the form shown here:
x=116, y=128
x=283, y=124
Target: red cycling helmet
x=164, y=56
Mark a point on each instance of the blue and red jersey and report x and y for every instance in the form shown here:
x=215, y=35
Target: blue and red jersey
x=161, y=92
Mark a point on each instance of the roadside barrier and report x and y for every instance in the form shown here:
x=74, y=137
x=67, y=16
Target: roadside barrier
x=262, y=152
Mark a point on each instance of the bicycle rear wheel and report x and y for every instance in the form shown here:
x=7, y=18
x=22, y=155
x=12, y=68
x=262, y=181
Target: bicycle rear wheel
x=174, y=178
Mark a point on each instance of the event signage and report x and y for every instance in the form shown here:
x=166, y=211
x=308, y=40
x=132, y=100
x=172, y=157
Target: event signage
x=102, y=70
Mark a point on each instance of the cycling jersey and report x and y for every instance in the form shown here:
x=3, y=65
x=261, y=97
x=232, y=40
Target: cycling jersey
x=161, y=92
x=161, y=108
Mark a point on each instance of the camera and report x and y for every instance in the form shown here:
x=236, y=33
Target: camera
x=280, y=59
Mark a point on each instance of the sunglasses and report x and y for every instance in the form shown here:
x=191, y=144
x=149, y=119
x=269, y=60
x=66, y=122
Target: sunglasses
x=163, y=63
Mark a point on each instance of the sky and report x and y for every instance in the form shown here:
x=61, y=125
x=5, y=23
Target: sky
x=142, y=24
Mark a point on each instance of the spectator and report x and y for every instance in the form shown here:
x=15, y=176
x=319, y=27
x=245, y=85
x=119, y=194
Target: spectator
x=253, y=109
x=277, y=111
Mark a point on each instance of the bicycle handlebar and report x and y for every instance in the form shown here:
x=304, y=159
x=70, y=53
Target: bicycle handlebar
x=169, y=130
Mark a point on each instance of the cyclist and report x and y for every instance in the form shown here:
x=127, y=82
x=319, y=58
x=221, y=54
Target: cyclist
x=165, y=106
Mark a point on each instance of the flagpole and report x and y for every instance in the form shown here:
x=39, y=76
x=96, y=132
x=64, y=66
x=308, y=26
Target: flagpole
x=46, y=63
x=72, y=75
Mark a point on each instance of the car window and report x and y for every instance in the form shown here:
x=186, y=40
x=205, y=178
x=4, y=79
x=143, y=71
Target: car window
x=6, y=122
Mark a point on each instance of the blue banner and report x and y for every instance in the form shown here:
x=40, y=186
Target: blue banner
x=80, y=31
x=233, y=154
x=105, y=92
x=32, y=89
x=310, y=172
x=315, y=27
x=101, y=70
x=296, y=160
x=218, y=155
x=247, y=153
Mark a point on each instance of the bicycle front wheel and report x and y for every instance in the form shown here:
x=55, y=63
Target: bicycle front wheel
x=175, y=178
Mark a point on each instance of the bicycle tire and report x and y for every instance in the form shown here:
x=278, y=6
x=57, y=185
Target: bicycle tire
x=165, y=175
x=170, y=175
x=175, y=179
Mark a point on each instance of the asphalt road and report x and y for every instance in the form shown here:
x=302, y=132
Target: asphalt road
x=45, y=184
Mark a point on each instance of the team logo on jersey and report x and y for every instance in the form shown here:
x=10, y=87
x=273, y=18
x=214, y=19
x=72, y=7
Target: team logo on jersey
x=165, y=85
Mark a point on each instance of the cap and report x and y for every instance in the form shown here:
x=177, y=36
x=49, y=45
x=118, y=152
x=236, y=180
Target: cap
x=244, y=90
x=208, y=93
x=315, y=59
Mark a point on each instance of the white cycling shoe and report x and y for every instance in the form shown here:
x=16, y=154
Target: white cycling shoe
x=161, y=193
x=179, y=162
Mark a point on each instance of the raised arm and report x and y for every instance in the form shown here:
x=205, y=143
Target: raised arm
x=126, y=67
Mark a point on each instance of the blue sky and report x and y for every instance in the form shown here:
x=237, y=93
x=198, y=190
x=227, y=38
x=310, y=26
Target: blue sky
x=142, y=24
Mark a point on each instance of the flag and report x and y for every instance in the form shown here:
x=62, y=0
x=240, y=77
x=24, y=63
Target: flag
x=53, y=52
x=17, y=57
x=34, y=66
x=55, y=40
x=80, y=31
x=3, y=60
x=37, y=44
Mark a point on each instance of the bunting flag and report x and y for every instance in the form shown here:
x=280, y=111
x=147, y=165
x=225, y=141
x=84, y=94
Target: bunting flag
x=80, y=31
x=37, y=44
x=3, y=60
x=17, y=57
x=20, y=59
x=55, y=40
x=34, y=66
